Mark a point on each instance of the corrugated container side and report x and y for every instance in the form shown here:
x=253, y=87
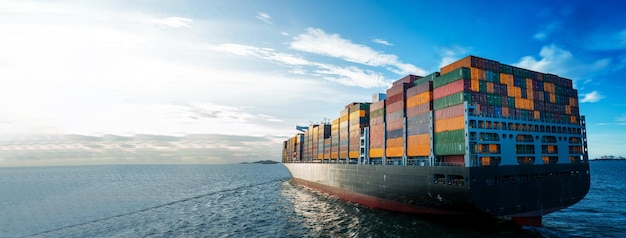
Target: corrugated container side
x=418, y=150
x=451, y=100
x=376, y=152
x=453, y=148
x=461, y=73
x=448, y=112
x=418, y=129
x=461, y=85
x=419, y=109
x=449, y=124
x=421, y=98
x=415, y=90
x=394, y=151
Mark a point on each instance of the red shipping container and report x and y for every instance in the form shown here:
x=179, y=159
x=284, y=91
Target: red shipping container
x=451, y=88
x=407, y=79
x=419, y=109
x=394, y=107
x=395, y=125
x=395, y=98
x=448, y=112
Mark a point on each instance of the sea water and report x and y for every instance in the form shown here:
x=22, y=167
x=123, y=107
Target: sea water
x=252, y=200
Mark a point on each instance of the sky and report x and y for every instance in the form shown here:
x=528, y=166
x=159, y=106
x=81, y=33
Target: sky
x=255, y=69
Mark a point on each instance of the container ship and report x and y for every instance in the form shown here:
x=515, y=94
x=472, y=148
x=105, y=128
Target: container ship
x=477, y=138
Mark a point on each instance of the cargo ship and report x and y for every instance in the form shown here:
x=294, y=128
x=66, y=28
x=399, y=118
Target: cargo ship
x=478, y=138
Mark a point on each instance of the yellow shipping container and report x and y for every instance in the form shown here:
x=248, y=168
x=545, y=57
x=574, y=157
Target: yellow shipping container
x=376, y=153
x=343, y=118
x=334, y=155
x=320, y=156
x=394, y=151
x=418, y=150
x=537, y=114
x=552, y=98
x=359, y=113
x=353, y=154
x=450, y=124
x=419, y=99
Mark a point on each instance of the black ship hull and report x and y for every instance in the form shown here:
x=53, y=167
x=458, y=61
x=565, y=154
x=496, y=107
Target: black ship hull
x=523, y=193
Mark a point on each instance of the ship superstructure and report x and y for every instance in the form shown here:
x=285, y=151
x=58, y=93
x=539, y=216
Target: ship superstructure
x=478, y=137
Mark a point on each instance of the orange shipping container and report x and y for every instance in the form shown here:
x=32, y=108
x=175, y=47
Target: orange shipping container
x=450, y=124
x=552, y=98
x=490, y=87
x=376, y=153
x=395, y=142
x=419, y=139
x=419, y=99
x=529, y=84
x=568, y=110
x=537, y=114
x=354, y=154
x=505, y=111
x=418, y=150
x=394, y=151
x=573, y=102
x=465, y=62
x=477, y=74
x=475, y=85
x=574, y=119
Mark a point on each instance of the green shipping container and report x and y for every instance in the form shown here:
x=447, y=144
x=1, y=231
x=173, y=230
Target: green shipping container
x=453, y=148
x=430, y=77
x=451, y=100
x=460, y=73
x=511, y=102
x=449, y=136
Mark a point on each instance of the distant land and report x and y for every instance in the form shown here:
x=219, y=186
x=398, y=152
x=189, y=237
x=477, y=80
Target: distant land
x=610, y=157
x=261, y=162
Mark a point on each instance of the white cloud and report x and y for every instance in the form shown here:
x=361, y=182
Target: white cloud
x=318, y=42
x=558, y=61
x=351, y=76
x=382, y=42
x=452, y=54
x=540, y=36
x=264, y=17
x=592, y=97
x=175, y=22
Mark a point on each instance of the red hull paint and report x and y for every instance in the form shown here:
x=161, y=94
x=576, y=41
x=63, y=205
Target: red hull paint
x=374, y=202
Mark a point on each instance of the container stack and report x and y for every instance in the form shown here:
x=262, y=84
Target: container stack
x=359, y=119
x=344, y=131
x=323, y=135
x=314, y=132
x=334, y=139
x=395, y=114
x=418, y=122
x=292, y=148
x=507, y=91
x=377, y=128
x=450, y=91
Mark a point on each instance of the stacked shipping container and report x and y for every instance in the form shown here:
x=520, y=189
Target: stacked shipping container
x=377, y=129
x=395, y=116
x=359, y=119
x=450, y=91
x=344, y=129
x=418, y=118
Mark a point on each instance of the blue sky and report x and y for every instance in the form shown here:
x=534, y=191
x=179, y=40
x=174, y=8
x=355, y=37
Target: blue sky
x=258, y=68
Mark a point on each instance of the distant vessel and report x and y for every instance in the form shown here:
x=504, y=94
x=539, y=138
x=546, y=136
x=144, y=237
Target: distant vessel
x=479, y=138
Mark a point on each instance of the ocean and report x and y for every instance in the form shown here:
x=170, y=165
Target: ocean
x=252, y=200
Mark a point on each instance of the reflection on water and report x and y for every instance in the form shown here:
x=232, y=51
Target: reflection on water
x=320, y=215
